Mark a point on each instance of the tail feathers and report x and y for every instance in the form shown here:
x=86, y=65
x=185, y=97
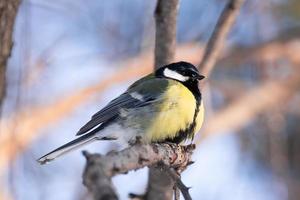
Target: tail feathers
x=74, y=144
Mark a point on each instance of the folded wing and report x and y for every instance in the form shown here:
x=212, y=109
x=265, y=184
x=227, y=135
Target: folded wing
x=140, y=95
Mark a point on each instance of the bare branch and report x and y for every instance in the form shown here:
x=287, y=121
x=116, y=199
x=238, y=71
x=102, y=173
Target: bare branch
x=99, y=169
x=217, y=39
x=178, y=183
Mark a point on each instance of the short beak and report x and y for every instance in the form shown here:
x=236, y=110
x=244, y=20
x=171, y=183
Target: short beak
x=199, y=76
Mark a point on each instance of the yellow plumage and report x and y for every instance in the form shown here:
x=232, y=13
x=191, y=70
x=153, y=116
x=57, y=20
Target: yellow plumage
x=176, y=113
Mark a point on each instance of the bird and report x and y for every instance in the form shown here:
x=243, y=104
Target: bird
x=164, y=106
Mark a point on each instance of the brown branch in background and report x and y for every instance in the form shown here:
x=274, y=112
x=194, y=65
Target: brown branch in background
x=5, y=196
x=165, y=35
x=256, y=101
x=8, y=12
x=268, y=52
x=217, y=39
x=39, y=65
x=160, y=184
x=32, y=121
x=99, y=169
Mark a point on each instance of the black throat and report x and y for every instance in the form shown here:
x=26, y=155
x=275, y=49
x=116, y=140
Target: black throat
x=192, y=85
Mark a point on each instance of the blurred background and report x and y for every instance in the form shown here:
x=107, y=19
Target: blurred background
x=70, y=57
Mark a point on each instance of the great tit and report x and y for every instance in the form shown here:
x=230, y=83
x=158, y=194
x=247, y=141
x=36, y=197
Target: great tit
x=163, y=106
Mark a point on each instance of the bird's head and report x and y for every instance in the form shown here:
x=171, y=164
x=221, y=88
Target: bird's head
x=180, y=71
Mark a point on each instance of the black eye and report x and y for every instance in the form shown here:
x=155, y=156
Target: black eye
x=184, y=73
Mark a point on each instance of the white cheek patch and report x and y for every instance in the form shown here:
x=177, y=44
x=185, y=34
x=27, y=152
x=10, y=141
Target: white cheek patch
x=174, y=75
x=137, y=96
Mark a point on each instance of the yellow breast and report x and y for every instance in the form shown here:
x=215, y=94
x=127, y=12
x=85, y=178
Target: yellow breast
x=176, y=113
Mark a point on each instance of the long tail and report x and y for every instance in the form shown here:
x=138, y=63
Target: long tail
x=74, y=144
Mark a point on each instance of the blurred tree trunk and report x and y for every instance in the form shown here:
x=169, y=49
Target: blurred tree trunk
x=160, y=184
x=165, y=35
x=8, y=11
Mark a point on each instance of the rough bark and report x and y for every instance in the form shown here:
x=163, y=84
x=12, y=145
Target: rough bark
x=99, y=169
x=8, y=12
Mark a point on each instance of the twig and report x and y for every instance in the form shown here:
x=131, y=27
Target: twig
x=178, y=183
x=217, y=39
x=176, y=193
x=99, y=169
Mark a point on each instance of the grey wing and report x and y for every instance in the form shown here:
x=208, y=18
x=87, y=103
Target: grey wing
x=112, y=110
